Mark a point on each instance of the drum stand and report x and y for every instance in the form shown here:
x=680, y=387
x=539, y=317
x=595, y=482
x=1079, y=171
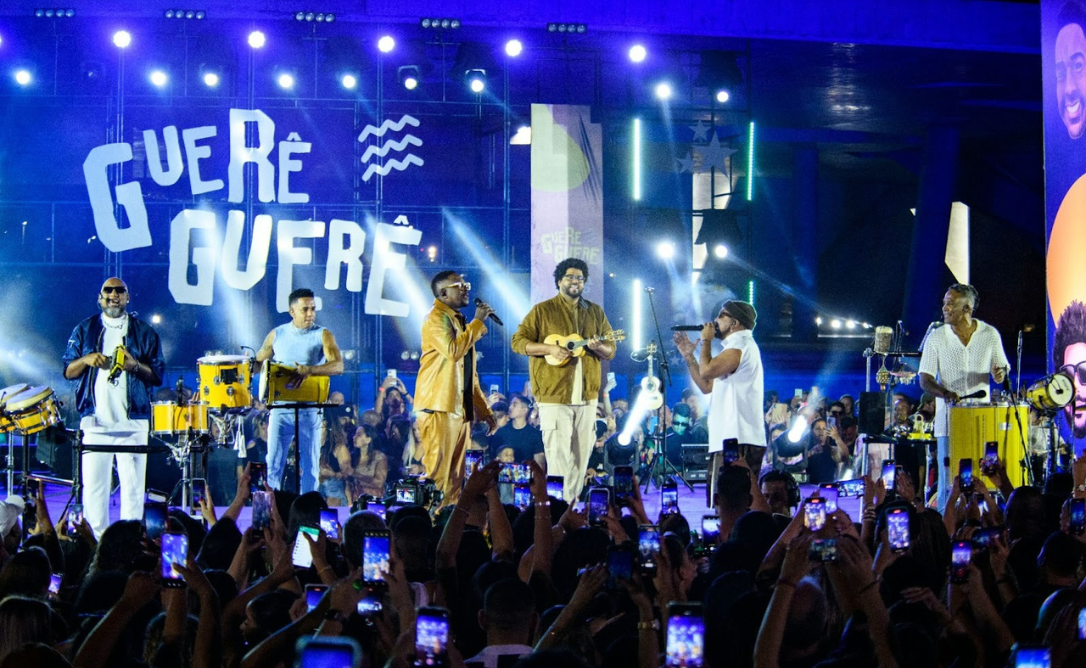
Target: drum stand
x=187, y=446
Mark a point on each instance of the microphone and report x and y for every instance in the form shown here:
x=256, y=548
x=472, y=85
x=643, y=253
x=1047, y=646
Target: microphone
x=493, y=316
x=687, y=328
x=979, y=394
x=931, y=328
x=650, y=290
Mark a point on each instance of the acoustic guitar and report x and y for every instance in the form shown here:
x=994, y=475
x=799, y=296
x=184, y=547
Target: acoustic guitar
x=575, y=344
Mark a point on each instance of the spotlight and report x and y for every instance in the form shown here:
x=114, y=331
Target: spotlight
x=431, y=253
x=198, y=14
x=256, y=39
x=431, y=23
x=721, y=251
x=408, y=76
x=211, y=79
x=156, y=319
x=638, y=53
x=121, y=39
x=722, y=96
x=405, y=355
x=513, y=48
x=850, y=324
x=286, y=81
x=835, y=323
x=665, y=250
x=54, y=13
x=159, y=78
x=569, y=28
x=168, y=13
x=818, y=320
x=386, y=44
x=22, y=77
x=349, y=81
x=663, y=91
x=798, y=429
x=476, y=80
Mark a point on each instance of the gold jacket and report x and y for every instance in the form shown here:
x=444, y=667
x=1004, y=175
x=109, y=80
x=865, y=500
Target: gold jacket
x=445, y=344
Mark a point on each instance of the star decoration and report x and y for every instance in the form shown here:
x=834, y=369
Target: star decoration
x=686, y=164
x=701, y=131
x=714, y=154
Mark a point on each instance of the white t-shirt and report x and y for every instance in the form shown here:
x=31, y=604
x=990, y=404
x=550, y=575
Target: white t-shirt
x=735, y=404
x=960, y=368
x=111, y=401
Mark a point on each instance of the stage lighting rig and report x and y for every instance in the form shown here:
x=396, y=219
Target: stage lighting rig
x=476, y=80
x=319, y=17
x=568, y=28
x=440, y=24
x=197, y=14
x=409, y=76
x=54, y=13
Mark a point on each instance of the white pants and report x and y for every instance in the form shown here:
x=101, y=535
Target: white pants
x=569, y=432
x=97, y=478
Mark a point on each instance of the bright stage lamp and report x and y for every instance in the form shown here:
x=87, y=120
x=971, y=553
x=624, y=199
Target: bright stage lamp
x=286, y=81
x=665, y=250
x=638, y=53
x=798, y=429
x=663, y=91
x=476, y=81
x=386, y=44
x=211, y=79
x=721, y=251
x=256, y=39
x=409, y=76
x=121, y=39
x=22, y=77
x=835, y=323
x=349, y=81
x=722, y=96
x=159, y=78
x=513, y=48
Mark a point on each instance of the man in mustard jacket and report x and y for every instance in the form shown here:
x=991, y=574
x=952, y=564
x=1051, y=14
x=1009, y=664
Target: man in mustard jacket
x=447, y=392
x=567, y=394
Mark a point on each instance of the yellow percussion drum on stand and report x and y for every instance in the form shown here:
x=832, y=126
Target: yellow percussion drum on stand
x=225, y=381
x=6, y=393
x=274, y=389
x=974, y=424
x=33, y=409
x=171, y=419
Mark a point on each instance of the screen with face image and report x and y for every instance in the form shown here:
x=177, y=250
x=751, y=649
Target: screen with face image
x=685, y=642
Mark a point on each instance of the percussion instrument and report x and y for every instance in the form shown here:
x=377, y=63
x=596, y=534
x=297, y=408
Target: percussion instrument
x=1051, y=393
x=33, y=409
x=171, y=418
x=225, y=381
x=972, y=424
x=274, y=386
x=5, y=423
x=575, y=344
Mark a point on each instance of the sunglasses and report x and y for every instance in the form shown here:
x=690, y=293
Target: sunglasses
x=462, y=285
x=1075, y=372
x=120, y=290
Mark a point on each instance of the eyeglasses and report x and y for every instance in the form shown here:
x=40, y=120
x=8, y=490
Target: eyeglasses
x=1075, y=372
x=574, y=279
x=109, y=289
x=462, y=285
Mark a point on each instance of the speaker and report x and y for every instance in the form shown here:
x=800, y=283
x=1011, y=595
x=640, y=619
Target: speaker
x=872, y=412
x=695, y=462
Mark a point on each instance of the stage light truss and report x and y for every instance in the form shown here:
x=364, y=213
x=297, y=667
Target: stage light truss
x=569, y=28
x=197, y=14
x=439, y=23
x=319, y=17
x=54, y=13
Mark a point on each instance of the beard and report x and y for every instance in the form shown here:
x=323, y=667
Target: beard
x=112, y=311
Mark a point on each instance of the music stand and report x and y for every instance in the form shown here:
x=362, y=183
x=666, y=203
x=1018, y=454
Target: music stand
x=297, y=446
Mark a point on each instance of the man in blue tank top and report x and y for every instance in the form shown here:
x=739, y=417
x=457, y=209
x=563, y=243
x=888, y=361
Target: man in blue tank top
x=312, y=350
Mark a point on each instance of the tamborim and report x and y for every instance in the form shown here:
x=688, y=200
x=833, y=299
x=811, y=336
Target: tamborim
x=169, y=418
x=1050, y=393
x=5, y=422
x=274, y=390
x=225, y=381
x=33, y=409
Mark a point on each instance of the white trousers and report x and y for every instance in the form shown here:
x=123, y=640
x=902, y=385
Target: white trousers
x=569, y=432
x=97, y=478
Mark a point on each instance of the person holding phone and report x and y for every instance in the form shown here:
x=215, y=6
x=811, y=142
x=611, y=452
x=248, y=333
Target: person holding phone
x=959, y=354
x=448, y=392
x=525, y=440
x=314, y=352
x=734, y=381
x=114, y=359
x=566, y=395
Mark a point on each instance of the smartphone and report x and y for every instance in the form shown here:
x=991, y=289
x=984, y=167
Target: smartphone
x=991, y=454
x=685, y=647
x=303, y=556
x=799, y=392
x=1082, y=623
x=432, y=637
x=154, y=518
x=814, y=513
x=258, y=477
x=371, y=604
x=730, y=451
x=473, y=461
x=831, y=422
x=623, y=483
x=897, y=529
x=199, y=493
x=669, y=498
x=75, y=518
x=175, y=547
x=391, y=373
x=555, y=485
x=619, y=565
x=851, y=487
x=961, y=553
x=598, y=500
x=522, y=495
x=155, y=496
x=710, y=529
x=377, y=508
x=54, y=583
x=262, y=510
x=330, y=523
x=829, y=491
x=648, y=546
x=313, y=594
x=965, y=476
x=375, y=556
x=1078, y=516
x=823, y=549
x=522, y=474
x=983, y=537
x=1032, y=657
x=889, y=468
x=494, y=389
x=328, y=652
x=33, y=486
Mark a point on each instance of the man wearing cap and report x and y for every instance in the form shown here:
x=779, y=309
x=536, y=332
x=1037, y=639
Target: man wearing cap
x=734, y=381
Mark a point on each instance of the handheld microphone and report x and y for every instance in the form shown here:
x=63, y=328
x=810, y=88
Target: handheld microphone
x=493, y=316
x=687, y=328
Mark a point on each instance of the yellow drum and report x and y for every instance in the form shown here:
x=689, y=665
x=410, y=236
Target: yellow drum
x=973, y=425
x=33, y=409
x=225, y=381
x=1051, y=393
x=5, y=422
x=168, y=418
x=274, y=391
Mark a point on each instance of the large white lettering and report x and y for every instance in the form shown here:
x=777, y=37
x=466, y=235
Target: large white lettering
x=349, y=253
x=241, y=153
x=384, y=259
x=181, y=229
x=288, y=165
x=174, y=166
x=257, y=264
x=129, y=196
x=291, y=256
x=194, y=154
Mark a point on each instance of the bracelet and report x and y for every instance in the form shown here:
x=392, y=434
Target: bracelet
x=869, y=585
x=786, y=583
x=654, y=625
x=543, y=504
x=326, y=568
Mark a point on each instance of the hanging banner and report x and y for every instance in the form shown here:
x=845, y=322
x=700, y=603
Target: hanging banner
x=567, y=196
x=1063, y=57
